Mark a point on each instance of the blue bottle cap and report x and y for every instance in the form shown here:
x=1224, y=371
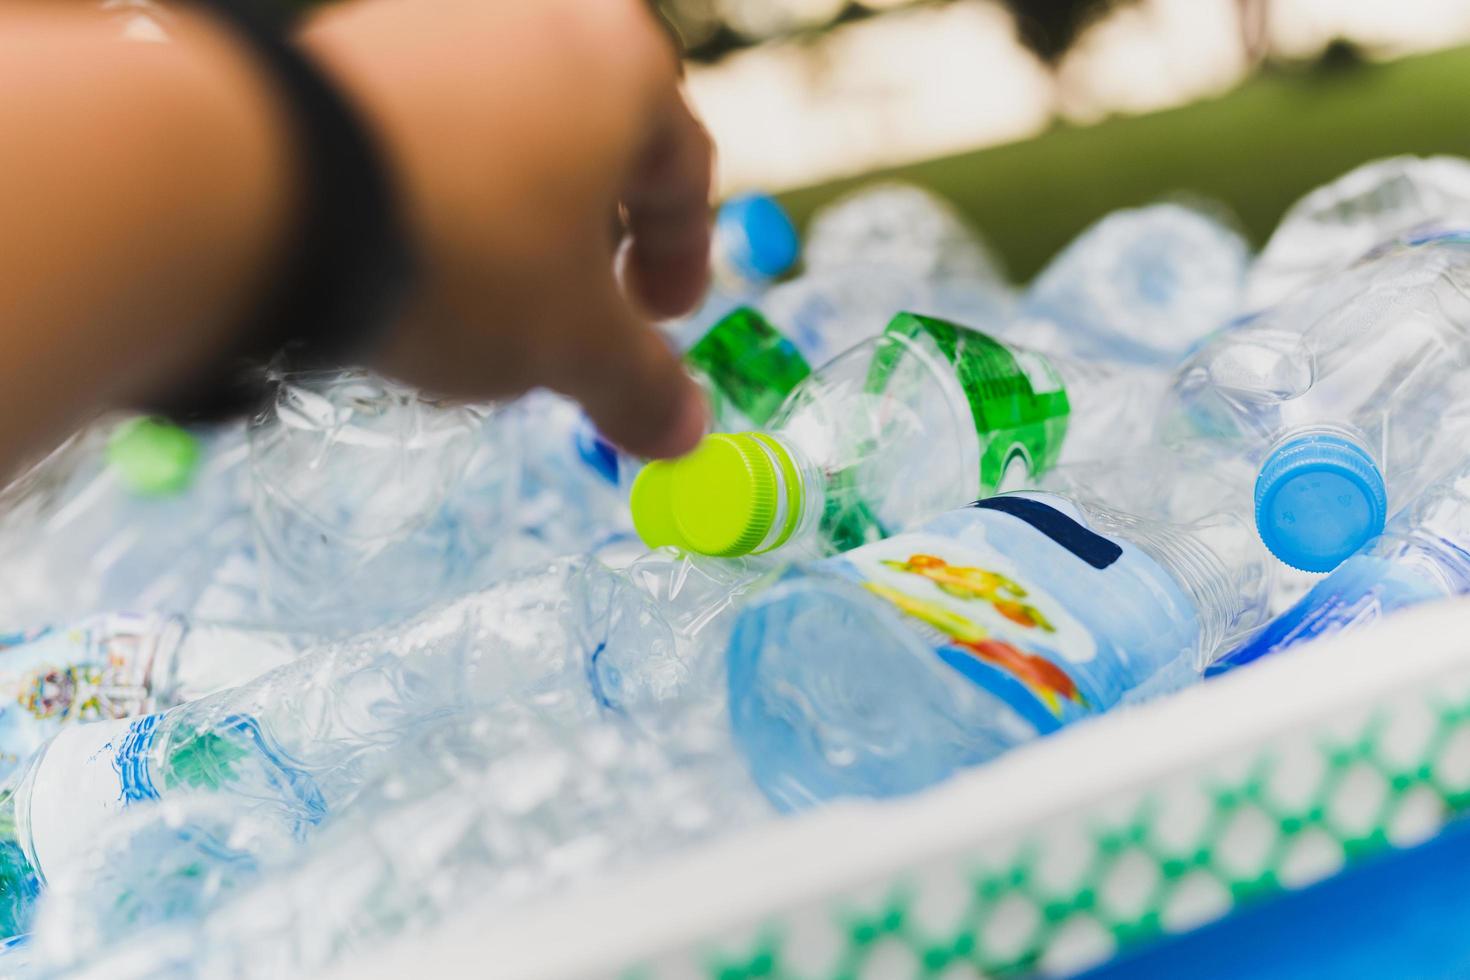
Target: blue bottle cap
x=757, y=237
x=1319, y=498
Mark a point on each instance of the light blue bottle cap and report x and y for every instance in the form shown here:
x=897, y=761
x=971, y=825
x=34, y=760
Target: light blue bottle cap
x=757, y=237
x=1319, y=498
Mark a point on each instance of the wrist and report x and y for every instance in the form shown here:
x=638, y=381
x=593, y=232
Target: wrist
x=344, y=264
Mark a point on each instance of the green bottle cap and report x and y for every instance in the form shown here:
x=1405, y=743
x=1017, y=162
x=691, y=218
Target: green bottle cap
x=723, y=499
x=152, y=457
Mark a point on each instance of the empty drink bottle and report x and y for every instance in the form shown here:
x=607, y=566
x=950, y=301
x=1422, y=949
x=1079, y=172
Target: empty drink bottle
x=1424, y=554
x=748, y=366
x=1348, y=399
x=119, y=666
x=371, y=502
x=883, y=670
x=1141, y=285
x=1339, y=223
x=924, y=418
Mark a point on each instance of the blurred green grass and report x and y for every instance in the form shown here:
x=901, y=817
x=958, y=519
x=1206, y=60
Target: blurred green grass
x=1257, y=149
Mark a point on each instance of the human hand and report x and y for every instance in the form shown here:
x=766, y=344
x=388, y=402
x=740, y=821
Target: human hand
x=556, y=186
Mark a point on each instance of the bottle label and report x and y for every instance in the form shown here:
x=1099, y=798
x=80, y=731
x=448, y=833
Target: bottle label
x=90, y=773
x=99, y=670
x=983, y=617
x=1360, y=591
x=1017, y=399
x=750, y=365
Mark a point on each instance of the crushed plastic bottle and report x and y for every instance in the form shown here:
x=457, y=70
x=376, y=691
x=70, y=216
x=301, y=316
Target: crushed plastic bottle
x=883, y=670
x=747, y=366
x=894, y=238
x=1350, y=398
x=1337, y=224
x=126, y=516
x=371, y=502
x=923, y=419
x=116, y=666
x=904, y=229
x=490, y=812
x=296, y=746
x=1142, y=285
x=475, y=726
x=1423, y=555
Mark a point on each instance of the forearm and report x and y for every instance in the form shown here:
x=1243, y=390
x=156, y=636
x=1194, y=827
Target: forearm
x=145, y=200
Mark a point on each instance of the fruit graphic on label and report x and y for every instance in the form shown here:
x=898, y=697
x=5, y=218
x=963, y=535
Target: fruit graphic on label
x=1045, y=679
x=1042, y=677
x=977, y=583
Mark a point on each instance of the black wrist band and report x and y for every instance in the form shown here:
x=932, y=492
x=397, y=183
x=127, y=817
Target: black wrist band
x=347, y=267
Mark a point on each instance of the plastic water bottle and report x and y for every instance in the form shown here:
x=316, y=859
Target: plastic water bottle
x=902, y=228
x=491, y=811
x=1339, y=223
x=1423, y=554
x=331, y=737
x=888, y=238
x=117, y=666
x=881, y=671
x=371, y=502
x=754, y=244
x=1142, y=285
x=916, y=422
x=747, y=365
x=1350, y=398
x=297, y=744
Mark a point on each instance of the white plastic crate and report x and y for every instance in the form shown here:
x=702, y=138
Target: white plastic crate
x=1053, y=858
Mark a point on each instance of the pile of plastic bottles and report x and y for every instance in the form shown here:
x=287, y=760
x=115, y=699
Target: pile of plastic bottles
x=273, y=695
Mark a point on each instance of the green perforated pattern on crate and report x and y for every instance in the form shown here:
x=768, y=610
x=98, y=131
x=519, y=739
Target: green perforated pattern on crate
x=1157, y=859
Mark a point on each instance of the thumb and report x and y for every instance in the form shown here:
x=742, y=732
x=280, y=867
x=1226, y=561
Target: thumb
x=632, y=385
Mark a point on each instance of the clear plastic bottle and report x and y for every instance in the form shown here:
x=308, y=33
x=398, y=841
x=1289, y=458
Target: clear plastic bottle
x=904, y=229
x=371, y=502
x=128, y=515
x=1423, y=555
x=1339, y=223
x=924, y=418
x=893, y=235
x=1349, y=399
x=292, y=749
x=881, y=671
x=746, y=367
x=116, y=666
x=1141, y=285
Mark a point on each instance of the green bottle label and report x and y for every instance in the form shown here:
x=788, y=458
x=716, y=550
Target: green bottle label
x=1017, y=398
x=750, y=365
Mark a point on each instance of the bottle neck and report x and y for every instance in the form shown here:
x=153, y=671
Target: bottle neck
x=1221, y=564
x=800, y=496
x=1216, y=562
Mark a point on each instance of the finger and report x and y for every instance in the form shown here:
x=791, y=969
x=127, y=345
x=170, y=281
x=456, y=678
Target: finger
x=632, y=384
x=666, y=263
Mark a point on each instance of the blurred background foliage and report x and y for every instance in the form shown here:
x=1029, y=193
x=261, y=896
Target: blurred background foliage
x=1038, y=116
x=711, y=29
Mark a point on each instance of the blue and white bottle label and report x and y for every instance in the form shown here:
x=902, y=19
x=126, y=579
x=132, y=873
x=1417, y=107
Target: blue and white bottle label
x=1360, y=591
x=101, y=669
x=984, y=618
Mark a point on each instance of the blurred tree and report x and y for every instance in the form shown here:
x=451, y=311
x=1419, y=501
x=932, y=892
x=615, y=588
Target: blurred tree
x=1048, y=27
